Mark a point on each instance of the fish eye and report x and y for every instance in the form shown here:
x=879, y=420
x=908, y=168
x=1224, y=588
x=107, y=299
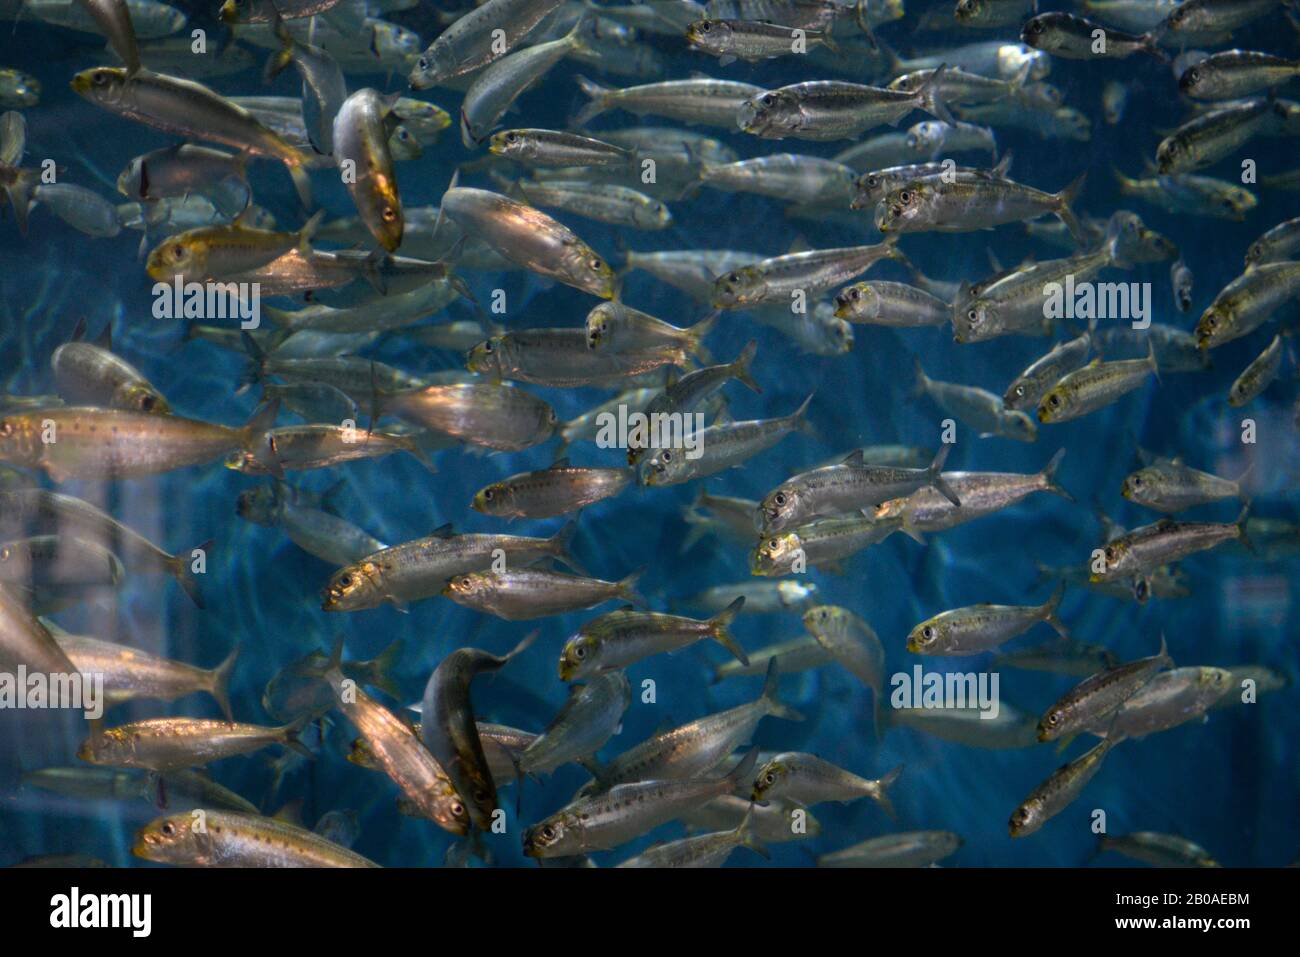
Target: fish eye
x=780, y=498
x=769, y=778
x=487, y=346
x=596, y=265
x=1110, y=555
x=706, y=26
x=928, y=633
x=666, y=457
x=177, y=252
x=389, y=214
x=457, y=809
x=1137, y=481
x=488, y=494
x=973, y=316
x=873, y=181
x=1054, y=400
x=768, y=99
x=147, y=403
x=465, y=583
x=423, y=63
x=548, y=833
x=1054, y=719
x=512, y=137
x=579, y=652
x=168, y=829
x=346, y=581
x=905, y=196
x=1193, y=75
x=99, y=78
x=1020, y=391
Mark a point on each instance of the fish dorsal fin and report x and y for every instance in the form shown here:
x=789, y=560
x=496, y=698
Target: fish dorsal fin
x=561, y=463
x=105, y=340
x=443, y=531
x=79, y=333
x=854, y=458
x=800, y=245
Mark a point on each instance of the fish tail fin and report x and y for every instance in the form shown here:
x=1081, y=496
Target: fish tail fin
x=182, y=569
x=1151, y=359
x=1242, y=518
x=1149, y=46
x=598, y=104
x=740, y=367
x=277, y=61
x=309, y=229
x=256, y=369
x=627, y=588
x=696, y=333
x=291, y=735
x=800, y=417
x=1064, y=207
x=922, y=381
x=933, y=473
x=520, y=648
x=259, y=423
x=301, y=181
x=742, y=771
x=220, y=687
x=745, y=831
x=719, y=629
x=1049, y=610
x=775, y=707
x=699, y=527
x=928, y=96
x=383, y=667
x=21, y=196
x=411, y=445
x=882, y=792
x=562, y=544
x=860, y=15
x=1048, y=475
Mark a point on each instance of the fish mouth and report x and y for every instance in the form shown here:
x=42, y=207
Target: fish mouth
x=81, y=82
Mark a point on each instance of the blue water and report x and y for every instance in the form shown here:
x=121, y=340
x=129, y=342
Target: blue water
x=1230, y=783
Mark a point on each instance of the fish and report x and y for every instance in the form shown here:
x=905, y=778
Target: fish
x=807, y=779
x=703, y=850
x=94, y=443
x=621, y=638
x=1095, y=386
x=448, y=730
x=696, y=748
x=557, y=490
x=823, y=543
x=752, y=41
x=188, y=108
x=1169, y=699
x=590, y=717
x=42, y=512
x=1171, y=486
x=1247, y=302
x=848, y=487
x=722, y=447
x=700, y=100
x=420, y=568
x=1059, y=791
x=824, y=110
x=1075, y=38
x=522, y=594
x=981, y=493
x=980, y=628
x=625, y=812
x=1028, y=388
x=1233, y=74
x=905, y=849
x=977, y=408
x=479, y=413
x=1158, y=850
x=231, y=839
x=1133, y=554
x=1100, y=695
x=171, y=744
x=360, y=135
x=530, y=238
x=478, y=38
x=852, y=643
x=1258, y=376
x=931, y=203
x=129, y=673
